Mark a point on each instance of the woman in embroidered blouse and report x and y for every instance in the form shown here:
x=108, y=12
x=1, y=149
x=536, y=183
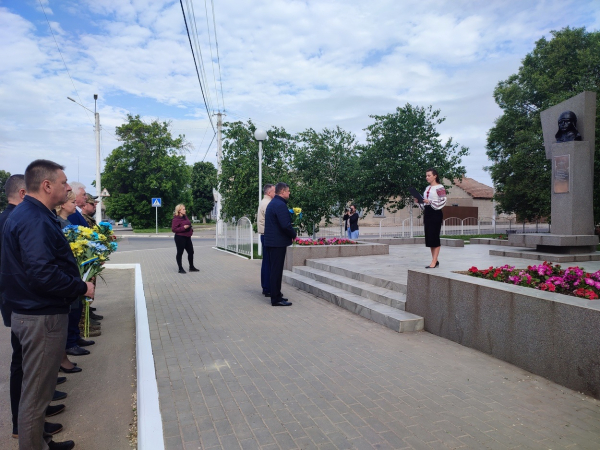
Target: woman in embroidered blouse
x=434, y=199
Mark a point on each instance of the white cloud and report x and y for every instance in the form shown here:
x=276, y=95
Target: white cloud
x=295, y=64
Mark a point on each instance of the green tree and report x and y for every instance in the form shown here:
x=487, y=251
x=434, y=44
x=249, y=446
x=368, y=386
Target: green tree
x=554, y=71
x=401, y=146
x=326, y=167
x=204, y=179
x=4, y=175
x=238, y=181
x=147, y=164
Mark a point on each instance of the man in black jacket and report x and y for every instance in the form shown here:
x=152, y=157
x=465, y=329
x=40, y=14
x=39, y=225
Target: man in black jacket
x=279, y=234
x=39, y=278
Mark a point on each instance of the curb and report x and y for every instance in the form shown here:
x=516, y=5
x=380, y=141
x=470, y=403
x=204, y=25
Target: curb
x=150, y=429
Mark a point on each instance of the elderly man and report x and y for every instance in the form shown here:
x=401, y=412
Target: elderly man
x=265, y=270
x=40, y=279
x=80, y=199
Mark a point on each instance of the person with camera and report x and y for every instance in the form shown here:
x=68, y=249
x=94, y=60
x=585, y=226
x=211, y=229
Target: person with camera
x=351, y=222
x=182, y=227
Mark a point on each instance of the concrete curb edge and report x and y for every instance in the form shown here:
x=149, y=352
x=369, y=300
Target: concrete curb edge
x=150, y=429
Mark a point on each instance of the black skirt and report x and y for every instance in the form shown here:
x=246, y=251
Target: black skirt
x=433, y=225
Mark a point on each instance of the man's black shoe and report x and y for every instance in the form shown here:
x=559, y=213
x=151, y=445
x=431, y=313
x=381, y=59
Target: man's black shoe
x=76, y=350
x=58, y=396
x=54, y=410
x=73, y=370
x=266, y=294
x=94, y=322
x=66, y=445
x=61, y=380
x=282, y=303
x=181, y=270
x=83, y=343
x=95, y=316
x=52, y=428
x=92, y=308
x=193, y=269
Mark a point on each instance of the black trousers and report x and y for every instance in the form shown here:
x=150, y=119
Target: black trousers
x=432, y=223
x=16, y=379
x=184, y=243
x=277, y=259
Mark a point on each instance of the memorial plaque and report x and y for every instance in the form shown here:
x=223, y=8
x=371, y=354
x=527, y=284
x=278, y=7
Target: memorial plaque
x=560, y=174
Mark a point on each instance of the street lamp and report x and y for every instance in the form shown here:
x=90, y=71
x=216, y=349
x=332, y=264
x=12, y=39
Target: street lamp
x=98, y=187
x=260, y=136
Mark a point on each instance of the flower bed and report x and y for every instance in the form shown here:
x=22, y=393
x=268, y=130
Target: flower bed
x=573, y=281
x=324, y=241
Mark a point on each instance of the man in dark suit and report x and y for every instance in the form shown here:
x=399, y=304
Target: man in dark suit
x=279, y=234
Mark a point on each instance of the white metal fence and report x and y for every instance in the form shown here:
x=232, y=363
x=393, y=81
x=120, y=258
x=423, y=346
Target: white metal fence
x=237, y=237
x=391, y=227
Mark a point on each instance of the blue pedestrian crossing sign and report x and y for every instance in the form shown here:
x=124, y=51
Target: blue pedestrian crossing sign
x=156, y=202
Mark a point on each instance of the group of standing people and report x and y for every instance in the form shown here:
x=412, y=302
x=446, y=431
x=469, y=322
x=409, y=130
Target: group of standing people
x=276, y=234
x=40, y=288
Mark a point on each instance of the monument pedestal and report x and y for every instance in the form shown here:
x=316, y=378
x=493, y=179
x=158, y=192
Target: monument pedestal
x=572, y=189
x=556, y=243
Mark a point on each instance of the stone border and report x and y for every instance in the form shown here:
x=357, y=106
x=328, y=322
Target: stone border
x=414, y=240
x=490, y=241
x=149, y=426
x=297, y=255
x=551, y=335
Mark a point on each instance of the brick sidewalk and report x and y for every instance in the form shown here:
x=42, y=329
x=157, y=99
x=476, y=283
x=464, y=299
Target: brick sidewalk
x=234, y=372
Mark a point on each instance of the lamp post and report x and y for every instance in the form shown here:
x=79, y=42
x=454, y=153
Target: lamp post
x=260, y=136
x=98, y=187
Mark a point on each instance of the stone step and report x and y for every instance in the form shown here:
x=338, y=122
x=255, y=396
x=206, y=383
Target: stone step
x=370, y=279
x=393, y=318
x=379, y=294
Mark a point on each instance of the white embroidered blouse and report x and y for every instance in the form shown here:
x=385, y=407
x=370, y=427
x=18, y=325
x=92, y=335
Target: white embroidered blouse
x=437, y=195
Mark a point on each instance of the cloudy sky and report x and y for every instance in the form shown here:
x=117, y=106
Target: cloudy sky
x=295, y=64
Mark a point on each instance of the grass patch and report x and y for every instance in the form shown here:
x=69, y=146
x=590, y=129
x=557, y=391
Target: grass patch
x=468, y=237
x=151, y=230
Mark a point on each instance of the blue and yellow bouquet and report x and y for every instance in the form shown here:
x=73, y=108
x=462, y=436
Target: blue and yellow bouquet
x=91, y=248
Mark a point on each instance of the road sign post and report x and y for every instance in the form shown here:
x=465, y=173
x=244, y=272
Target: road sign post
x=156, y=203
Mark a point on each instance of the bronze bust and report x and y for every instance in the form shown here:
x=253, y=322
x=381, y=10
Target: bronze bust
x=567, y=128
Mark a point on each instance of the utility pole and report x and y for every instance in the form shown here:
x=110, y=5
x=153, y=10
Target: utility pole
x=219, y=156
x=98, y=187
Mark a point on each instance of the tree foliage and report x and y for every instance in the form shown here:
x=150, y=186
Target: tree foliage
x=554, y=71
x=4, y=176
x=401, y=146
x=147, y=164
x=238, y=181
x=204, y=179
x=326, y=165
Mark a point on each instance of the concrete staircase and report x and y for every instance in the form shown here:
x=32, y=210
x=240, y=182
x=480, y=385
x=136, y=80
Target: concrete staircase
x=376, y=299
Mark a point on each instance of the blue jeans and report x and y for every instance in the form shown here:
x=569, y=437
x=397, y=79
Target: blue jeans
x=265, y=269
x=353, y=234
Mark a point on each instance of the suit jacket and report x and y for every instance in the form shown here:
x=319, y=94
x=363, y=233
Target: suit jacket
x=77, y=219
x=278, y=224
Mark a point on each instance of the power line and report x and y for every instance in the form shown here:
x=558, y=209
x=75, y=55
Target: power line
x=61, y=56
x=196, y=35
x=213, y=139
x=212, y=62
x=218, y=59
x=196, y=66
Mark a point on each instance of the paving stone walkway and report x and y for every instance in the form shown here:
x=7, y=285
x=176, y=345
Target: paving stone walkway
x=234, y=372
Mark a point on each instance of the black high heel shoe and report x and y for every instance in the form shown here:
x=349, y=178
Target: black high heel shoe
x=437, y=264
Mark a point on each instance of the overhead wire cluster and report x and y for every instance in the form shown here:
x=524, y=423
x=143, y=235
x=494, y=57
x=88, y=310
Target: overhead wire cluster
x=212, y=103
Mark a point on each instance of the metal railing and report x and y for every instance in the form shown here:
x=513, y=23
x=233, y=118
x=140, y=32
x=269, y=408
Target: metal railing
x=236, y=237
